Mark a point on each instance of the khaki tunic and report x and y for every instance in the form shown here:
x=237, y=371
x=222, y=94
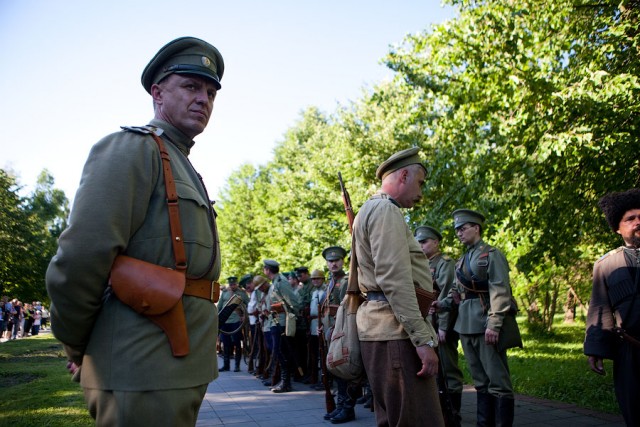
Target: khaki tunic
x=226, y=296
x=120, y=207
x=390, y=260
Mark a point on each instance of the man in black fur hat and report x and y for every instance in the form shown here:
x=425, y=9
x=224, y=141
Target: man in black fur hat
x=613, y=321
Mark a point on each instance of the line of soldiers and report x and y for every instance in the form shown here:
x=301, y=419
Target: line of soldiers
x=290, y=315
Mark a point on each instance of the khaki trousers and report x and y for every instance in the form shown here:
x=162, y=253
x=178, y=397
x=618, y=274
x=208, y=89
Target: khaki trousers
x=145, y=408
x=401, y=397
x=488, y=367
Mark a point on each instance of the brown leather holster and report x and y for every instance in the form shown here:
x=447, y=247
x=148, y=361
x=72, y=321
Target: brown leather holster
x=155, y=292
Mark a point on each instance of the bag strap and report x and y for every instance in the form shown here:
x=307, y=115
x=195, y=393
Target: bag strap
x=172, y=205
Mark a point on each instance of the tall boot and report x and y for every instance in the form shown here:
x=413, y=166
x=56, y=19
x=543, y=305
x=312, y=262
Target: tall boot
x=456, y=402
x=505, y=407
x=346, y=414
x=485, y=410
x=238, y=356
x=226, y=358
x=285, y=385
x=339, y=405
x=250, y=367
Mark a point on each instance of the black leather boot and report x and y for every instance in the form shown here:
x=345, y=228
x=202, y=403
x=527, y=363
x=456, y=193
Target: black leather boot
x=345, y=415
x=237, y=360
x=227, y=360
x=485, y=410
x=285, y=385
x=505, y=407
x=456, y=402
x=339, y=406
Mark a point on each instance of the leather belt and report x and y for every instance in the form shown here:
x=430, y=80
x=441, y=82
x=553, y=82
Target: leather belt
x=203, y=288
x=470, y=295
x=376, y=296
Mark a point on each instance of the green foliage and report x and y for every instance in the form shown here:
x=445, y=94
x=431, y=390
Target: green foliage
x=35, y=387
x=29, y=228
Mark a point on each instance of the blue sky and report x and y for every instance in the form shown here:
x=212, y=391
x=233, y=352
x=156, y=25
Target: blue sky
x=71, y=70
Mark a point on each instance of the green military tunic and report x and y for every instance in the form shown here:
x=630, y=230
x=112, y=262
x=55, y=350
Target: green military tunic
x=120, y=208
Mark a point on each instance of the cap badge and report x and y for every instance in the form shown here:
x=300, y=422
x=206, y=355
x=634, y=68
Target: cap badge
x=206, y=61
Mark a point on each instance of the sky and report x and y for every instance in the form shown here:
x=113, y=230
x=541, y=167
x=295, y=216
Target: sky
x=70, y=72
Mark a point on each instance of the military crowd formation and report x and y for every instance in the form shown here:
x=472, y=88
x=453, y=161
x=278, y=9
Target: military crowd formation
x=278, y=354
x=134, y=282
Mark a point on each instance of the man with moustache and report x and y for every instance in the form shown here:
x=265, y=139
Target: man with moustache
x=397, y=342
x=128, y=371
x=613, y=320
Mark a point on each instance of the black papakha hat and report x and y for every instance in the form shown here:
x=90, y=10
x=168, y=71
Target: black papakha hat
x=184, y=55
x=399, y=160
x=614, y=205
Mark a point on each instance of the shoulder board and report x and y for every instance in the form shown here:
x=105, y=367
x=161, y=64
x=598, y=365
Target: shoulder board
x=615, y=251
x=146, y=130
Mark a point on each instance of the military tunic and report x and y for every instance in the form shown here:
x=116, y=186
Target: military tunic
x=120, y=208
x=443, y=275
x=391, y=261
x=477, y=312
x=615, y=301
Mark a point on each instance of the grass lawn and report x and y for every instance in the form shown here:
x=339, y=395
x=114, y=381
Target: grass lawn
x=35, y=387
x=553, y=367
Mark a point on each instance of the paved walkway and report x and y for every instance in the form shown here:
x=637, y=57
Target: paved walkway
x=239, y=399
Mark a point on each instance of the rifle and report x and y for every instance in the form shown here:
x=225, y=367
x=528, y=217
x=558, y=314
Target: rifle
x=329, y=403
x=346, y=200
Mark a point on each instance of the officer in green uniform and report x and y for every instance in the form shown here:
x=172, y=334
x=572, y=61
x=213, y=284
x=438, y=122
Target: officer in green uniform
x=231, y=330
x=484, y=296
x=128, y=371
x=443, y=275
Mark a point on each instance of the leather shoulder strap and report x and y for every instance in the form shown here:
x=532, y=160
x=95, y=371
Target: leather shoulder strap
x=172, y=205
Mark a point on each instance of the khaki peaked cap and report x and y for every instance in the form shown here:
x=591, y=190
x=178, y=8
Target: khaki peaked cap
x=463, y=216
x=425, y=232
x=333, y=253
x=184, y=55
x=399, y=160
x=317, y=274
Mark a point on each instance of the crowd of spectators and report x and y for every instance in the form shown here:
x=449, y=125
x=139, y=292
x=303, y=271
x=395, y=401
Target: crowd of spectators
x=21, y=320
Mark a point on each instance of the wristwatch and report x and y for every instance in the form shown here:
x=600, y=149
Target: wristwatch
x=431, y=343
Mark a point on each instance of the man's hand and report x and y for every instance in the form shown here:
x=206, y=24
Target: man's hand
x=442, y=336
x=435, y=307
x=429, y=360
x=491, y=337
x=595, y=363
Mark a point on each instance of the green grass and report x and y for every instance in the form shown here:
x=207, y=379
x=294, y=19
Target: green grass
x=35, y=387
x=552, y=366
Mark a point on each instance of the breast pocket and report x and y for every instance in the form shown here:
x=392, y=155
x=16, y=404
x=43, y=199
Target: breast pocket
x=195, y=215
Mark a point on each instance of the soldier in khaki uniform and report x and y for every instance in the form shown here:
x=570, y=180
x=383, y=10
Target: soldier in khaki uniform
x=484, y=296
x=397, y=342
x=444, y=277
x=128, y=372
x=231, y=331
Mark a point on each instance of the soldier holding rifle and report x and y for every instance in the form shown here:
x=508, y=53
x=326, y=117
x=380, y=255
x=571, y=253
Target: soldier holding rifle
x=337, y=289
x=231, y=328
